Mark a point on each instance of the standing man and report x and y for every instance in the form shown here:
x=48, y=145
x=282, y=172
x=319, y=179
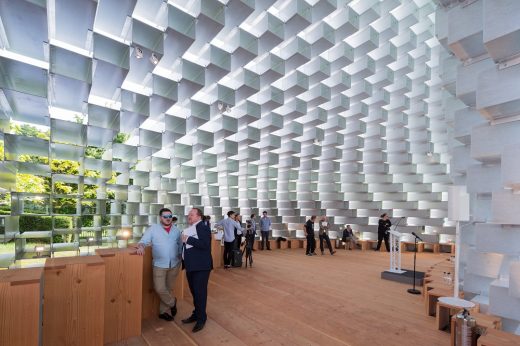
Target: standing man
x=253, y=227
x=309, y=234
x=198, y=264
x=382, y=231
x=238, y=235
x=165, y=239
x=324, y=228
x=207, y=221
x=265, y=225
x=229, y=225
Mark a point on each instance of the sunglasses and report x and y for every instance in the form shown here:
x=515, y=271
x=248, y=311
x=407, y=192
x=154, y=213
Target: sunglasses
x=167, y=216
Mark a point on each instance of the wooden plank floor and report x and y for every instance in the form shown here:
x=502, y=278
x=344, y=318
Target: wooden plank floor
x=288, y=298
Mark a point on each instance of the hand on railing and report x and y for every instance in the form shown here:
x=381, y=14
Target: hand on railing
x=139, y=249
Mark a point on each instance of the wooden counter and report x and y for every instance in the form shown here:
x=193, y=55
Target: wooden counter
x=123, y=295
x=74, y=296
x=20, y=306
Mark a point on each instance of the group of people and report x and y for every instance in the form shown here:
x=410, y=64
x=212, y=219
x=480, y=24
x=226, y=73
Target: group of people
x=348, y=236
x=233, y=233
x=173, y=250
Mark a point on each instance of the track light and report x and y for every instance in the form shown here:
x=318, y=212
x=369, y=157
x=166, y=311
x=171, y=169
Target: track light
x=154, y=59
x=223, y=108
x=138, y=52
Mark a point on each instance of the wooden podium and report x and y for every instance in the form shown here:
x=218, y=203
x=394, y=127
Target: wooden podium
x=74, y=296
x=123, y=296
x=20, y=306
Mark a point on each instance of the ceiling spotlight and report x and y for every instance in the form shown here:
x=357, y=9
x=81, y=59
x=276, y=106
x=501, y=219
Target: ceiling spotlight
x=154, y=59
x=220, y=106
x=228, y=108
x=429, y=154
x=138, y=52
x=317, y=141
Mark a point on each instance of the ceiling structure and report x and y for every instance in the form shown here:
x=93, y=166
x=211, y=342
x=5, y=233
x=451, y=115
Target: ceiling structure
x=297, y=107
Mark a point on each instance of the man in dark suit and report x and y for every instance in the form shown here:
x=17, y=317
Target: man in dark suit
x=198, y=264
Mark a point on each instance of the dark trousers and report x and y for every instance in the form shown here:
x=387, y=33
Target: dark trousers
x=327, y=239
x=265, y=239
x=380, y=238
x=228, y=254
x=198, y=282
x=311, y=244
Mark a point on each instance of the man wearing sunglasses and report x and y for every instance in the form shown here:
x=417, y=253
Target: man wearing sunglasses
x=165, y=239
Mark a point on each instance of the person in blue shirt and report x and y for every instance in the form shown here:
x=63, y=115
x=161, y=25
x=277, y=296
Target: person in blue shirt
x=166, y=243
x=265, y=226
x=229, y=224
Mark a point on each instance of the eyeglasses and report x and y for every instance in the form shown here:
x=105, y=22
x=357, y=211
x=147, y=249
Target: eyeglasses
x=167, y=216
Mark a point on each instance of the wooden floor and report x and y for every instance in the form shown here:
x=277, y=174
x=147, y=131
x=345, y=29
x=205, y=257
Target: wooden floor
x=291, y=299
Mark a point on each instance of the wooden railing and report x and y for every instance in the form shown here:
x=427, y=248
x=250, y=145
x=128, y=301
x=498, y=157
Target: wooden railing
x=88, y=300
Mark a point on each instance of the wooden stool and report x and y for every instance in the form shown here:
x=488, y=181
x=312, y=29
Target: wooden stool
x=448, y=306
x=431, y=299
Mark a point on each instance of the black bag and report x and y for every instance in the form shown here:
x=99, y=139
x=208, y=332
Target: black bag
x=236, y=258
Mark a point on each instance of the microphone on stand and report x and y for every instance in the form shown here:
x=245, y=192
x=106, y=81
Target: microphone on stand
x=413, y=233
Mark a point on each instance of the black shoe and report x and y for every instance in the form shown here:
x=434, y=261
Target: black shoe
x=198, y=327
x=269, y=249
x=333, y=252
x=174, y=309
x=165, y=316
x=190, y=319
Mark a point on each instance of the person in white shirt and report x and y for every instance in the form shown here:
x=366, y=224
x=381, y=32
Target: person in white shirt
x=324, y=235
x=165, y=240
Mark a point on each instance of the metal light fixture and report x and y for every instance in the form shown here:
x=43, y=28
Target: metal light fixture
x=220, y=106
x=154, y=59
x=89, y=241
x=39, y=249
x=138, y=51
x=228, y=109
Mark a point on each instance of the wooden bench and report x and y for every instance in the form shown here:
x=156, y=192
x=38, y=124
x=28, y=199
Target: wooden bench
x=494, y=337
x=370, y=244
x=449, y=246
x=408, y=246
x=295, y=243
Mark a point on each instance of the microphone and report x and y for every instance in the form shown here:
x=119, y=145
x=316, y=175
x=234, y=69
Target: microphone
x=413, y=233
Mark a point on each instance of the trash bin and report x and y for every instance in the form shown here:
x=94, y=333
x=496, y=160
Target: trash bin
x=465, y=329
